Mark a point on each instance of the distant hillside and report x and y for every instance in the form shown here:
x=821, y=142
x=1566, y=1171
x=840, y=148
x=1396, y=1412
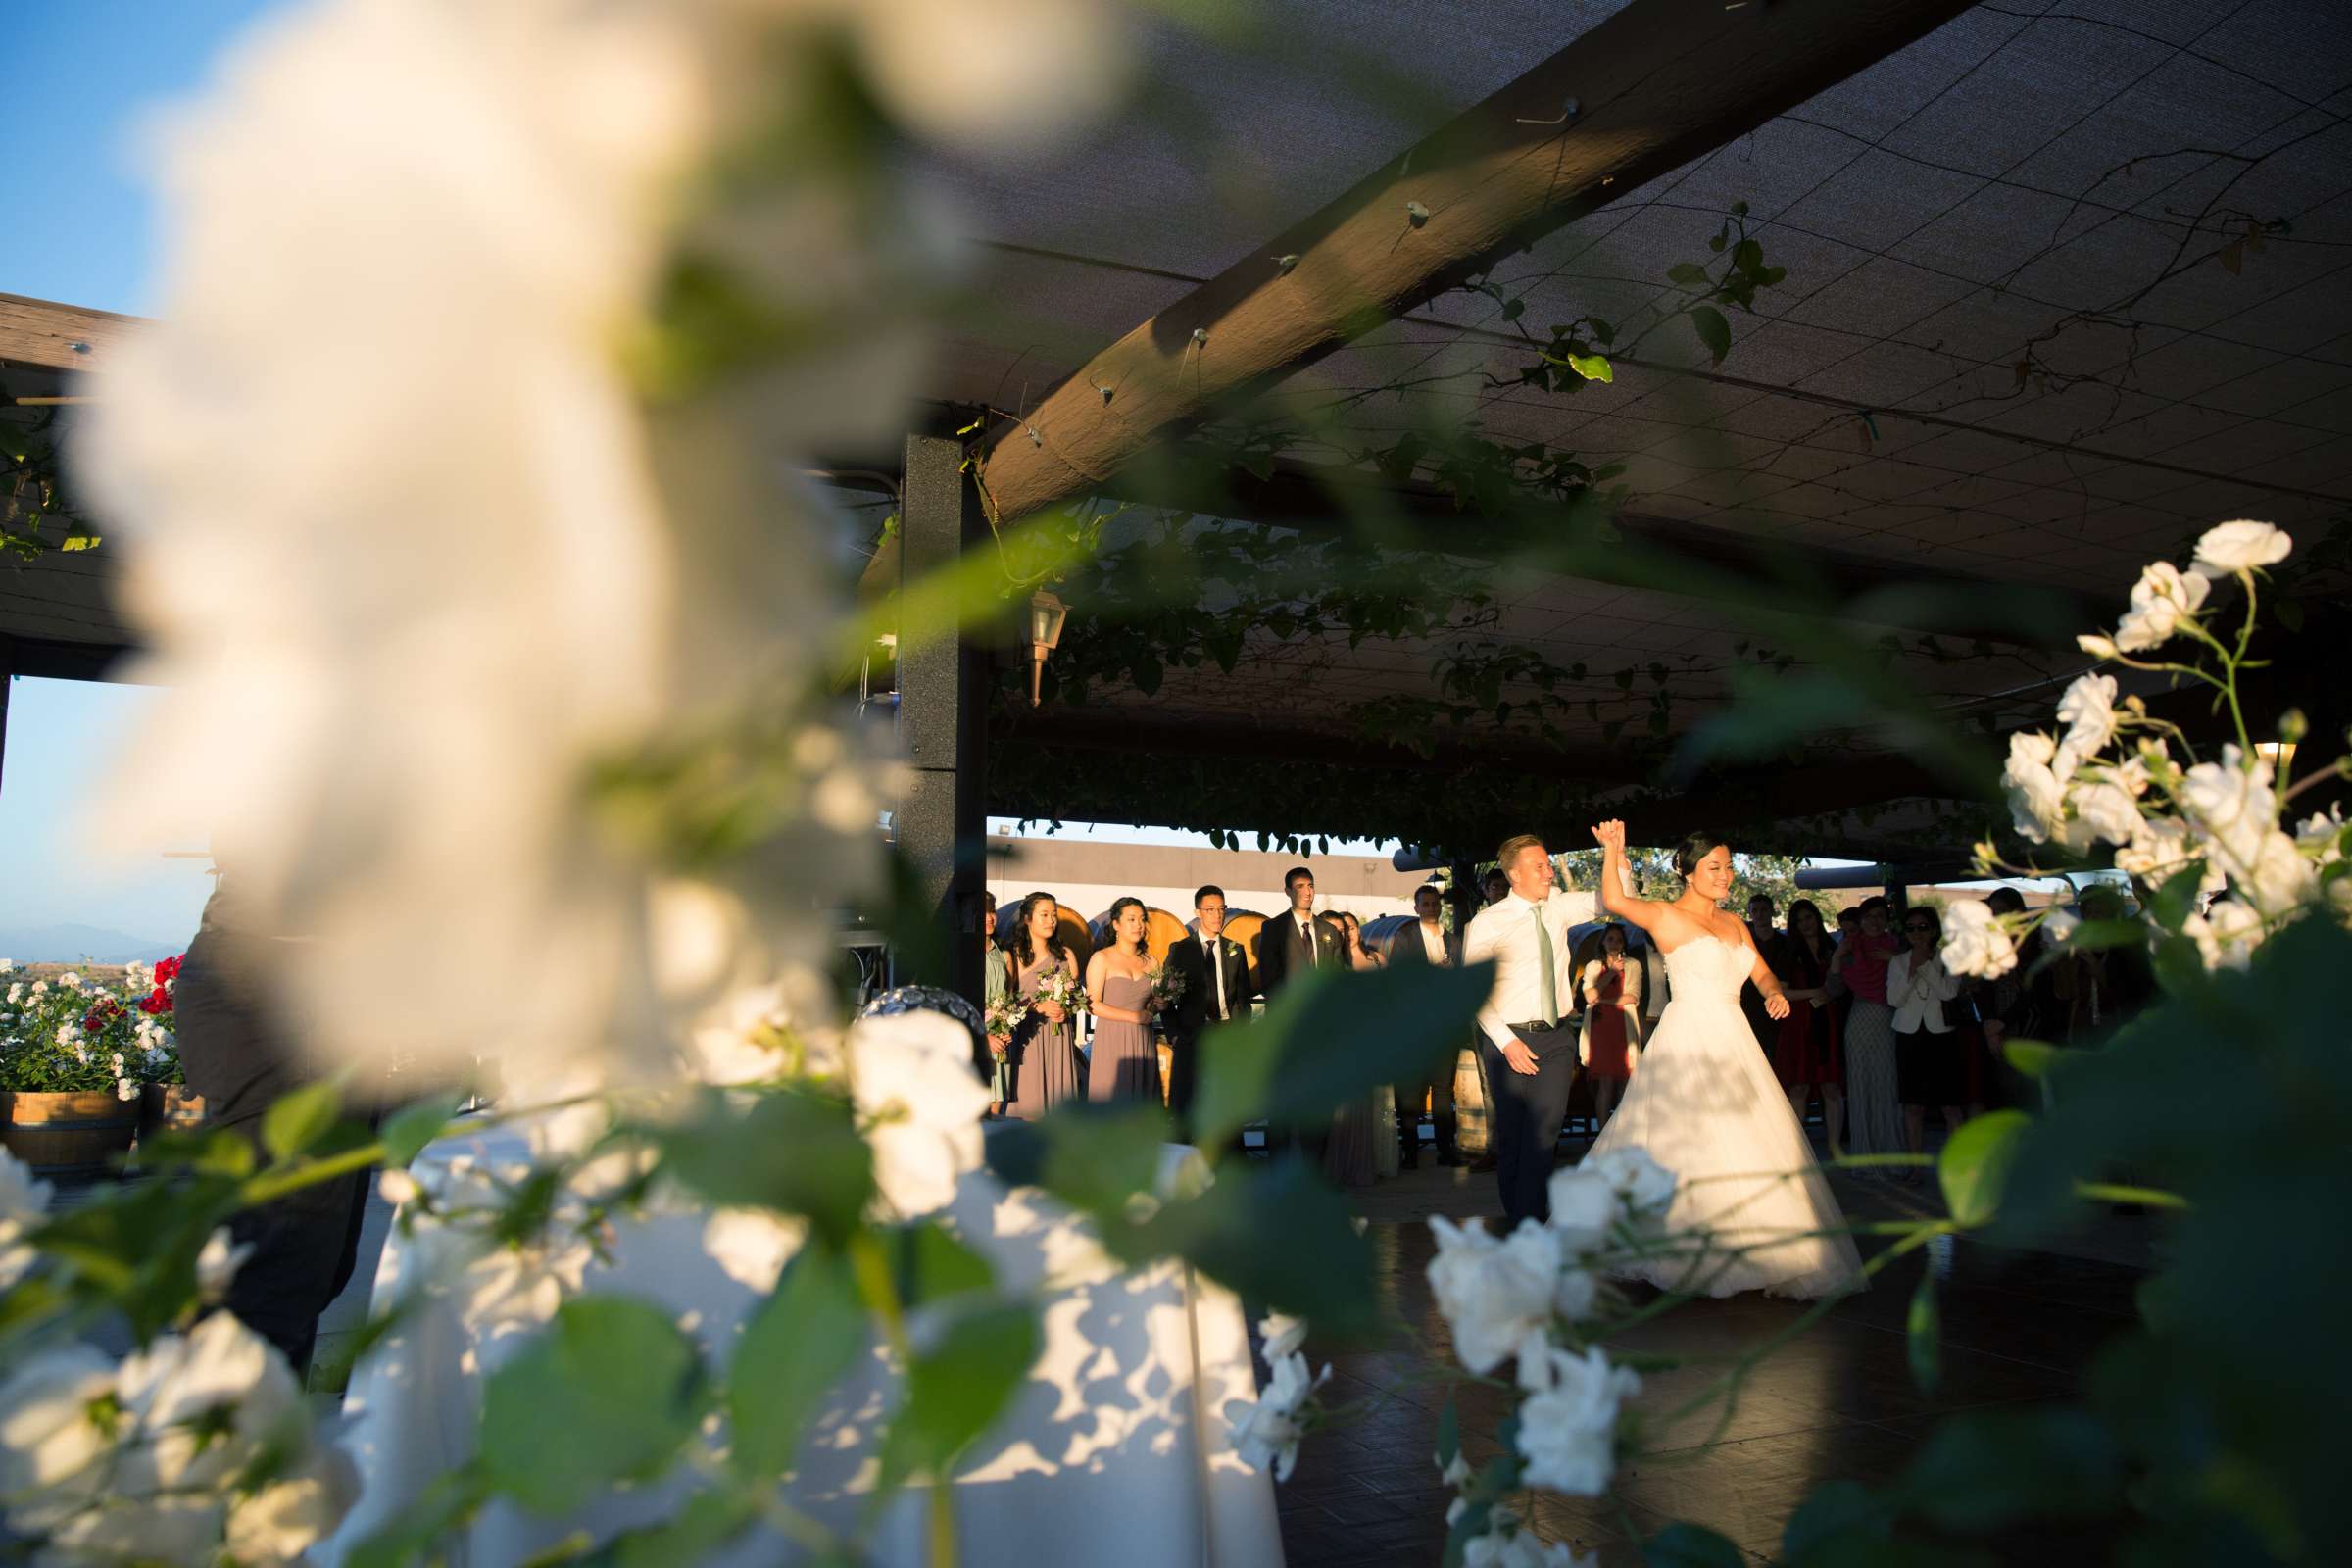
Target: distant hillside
x=71, y=944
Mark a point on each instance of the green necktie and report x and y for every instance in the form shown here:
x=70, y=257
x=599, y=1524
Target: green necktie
x=1549, y=988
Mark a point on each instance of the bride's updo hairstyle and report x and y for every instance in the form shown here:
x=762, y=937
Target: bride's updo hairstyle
x=1692, y=850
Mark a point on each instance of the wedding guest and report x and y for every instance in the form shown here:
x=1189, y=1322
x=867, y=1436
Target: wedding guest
x=1849, y=923
x=1352, y=948
x=1805, y=1054
x=995, y=980
x=1290, y=944
x=1426, y=941
x=1873, y=1114
x=2110, y=984
x=1928, y=1067
x=1760, y=928
x=1047, y=1070
x=1612, y=1039
x=1216, y=987
x=2015, y=1005
x=1531, y=1058
x=1353, y=1158
x=239, y=1053
x=1495, y=888
x=1125, y=1064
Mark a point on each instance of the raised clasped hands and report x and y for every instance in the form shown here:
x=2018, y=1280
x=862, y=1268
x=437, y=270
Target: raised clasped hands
x=1610, y=835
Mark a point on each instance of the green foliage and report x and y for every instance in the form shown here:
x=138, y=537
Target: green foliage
x=796, y=1347
x=957, y=1384
x=1975, y=1163
x=1689, y=1546
x=789, y=1149
x=608, y=1393
x=299, y=1119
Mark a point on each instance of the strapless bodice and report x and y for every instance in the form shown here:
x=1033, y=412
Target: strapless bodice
x=1708, y=968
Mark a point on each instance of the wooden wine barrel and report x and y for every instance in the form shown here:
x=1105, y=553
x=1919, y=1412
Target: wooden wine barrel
x=1071, y=927
x=170, y=1108
x=1161, y=931
x=1241, y=925
x=1473, y=1129
x=1379, y=932
x=77, y=1133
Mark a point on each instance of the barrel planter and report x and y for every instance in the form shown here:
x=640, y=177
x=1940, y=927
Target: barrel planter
x=1472, y=1127
x=1243, y=925
x=169, y=1108
x=74, y=1133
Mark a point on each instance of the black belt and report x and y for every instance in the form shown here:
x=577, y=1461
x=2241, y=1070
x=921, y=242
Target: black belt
x=1533, y=1027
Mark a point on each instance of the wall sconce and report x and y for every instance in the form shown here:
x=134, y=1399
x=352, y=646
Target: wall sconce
x=1046, y=613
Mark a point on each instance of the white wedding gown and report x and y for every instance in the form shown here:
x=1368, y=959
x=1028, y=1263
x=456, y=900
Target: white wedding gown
x=1703, y=1102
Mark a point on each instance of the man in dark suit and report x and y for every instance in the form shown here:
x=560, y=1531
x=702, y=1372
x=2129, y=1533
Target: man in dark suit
x=1426, y=943
x=1290, y=944
x=1216, y=987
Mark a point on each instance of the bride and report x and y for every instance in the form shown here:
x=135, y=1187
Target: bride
x=1705, y=1104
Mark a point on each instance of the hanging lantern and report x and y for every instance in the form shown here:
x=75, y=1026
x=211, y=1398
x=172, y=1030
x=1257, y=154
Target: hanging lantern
x=1046, y=613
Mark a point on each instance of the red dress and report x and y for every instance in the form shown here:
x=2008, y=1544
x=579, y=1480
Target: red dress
x=1806, y=1051
x=1604, y=1028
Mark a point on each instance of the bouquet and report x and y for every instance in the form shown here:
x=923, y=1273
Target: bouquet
x=1062, y=987
x=1004, y=1016
x=1165, y=984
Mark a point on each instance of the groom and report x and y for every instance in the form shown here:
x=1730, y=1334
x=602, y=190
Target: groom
x=1530, y=1052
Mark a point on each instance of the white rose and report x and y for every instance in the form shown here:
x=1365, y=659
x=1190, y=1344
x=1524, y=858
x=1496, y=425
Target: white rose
x=2103, y=810
x=23, y=1205
x=292, y=1513
x=2321, y=834
x=1511, y=1548
x=396, y=1186
x=2232, y=806
x=2087, y=710
x=2160, y=601
x=1266, y=1431
x=126, y=1089
x=2036, y=796
x=1495, y=1294
x=51, y=1451
x=1975, y=944
x=2281, y=878
x=2096, y=646
x=1284, y=1335
x=1585, y=1207
x=206, y=1405
x=1647, y=1186
x=1568, y=1428
x=8, y=966
x=752, y=1245
x=2240, y=546
x=2225, y=934
x=912, y=1078
x=217, y=1266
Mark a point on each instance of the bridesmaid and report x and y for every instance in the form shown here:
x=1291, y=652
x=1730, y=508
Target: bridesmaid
x=996, y=979
x=1044, y=1049
x=1351, y=1157
x=1613, y=1040
x=1126, y=1058
x=1805, y=1058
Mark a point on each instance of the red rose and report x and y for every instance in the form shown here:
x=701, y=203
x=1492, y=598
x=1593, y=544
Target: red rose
x=156, y=1002
x=167, y=969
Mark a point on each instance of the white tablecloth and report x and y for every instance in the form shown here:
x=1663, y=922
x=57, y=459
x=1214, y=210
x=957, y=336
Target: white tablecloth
x=1114, y=1452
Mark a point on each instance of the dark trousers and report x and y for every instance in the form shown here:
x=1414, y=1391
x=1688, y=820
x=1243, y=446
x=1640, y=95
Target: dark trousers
x=305, y=1248
x=1436, y=1081
x=1183, y=1080
x=1526, y=1113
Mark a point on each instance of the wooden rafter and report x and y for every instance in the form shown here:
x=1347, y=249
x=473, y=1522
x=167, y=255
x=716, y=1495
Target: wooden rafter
x=1659, y=83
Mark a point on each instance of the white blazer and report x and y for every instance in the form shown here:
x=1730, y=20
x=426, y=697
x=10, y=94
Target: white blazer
x=1916, y=997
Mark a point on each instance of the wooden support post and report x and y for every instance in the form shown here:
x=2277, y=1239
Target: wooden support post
x=942, y=823
x=8, y=675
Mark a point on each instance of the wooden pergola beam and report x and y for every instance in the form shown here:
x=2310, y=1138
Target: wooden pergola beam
x=1659, y=83
x=59, y=337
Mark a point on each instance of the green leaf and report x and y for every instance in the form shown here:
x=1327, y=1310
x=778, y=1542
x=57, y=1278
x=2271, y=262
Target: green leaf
x=786, y=1149
x=1984, y=1471
x=1713, y=330
x=2032, y=1058
x=930, y=1266
x=1838, y=1512
x=796, y=1347
x=958, y=1385
x=299, y=1119
x=1923, y=1332
x=703, y=1523
x=1097, y=1158
x=1689, y=1545
x=406, y=1133
x=1975, y=1163
x=2177, y=897
x=1686, y=272
x=606, y=1393
x=1592, y=367
x=1275, y=1234
x=1329, y=1036
x=1747, y=256
x=83, y=541
x=1450, y=1433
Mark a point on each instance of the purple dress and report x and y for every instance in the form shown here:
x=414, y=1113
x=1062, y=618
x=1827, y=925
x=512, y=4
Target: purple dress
x=1047, y=1070
x=1126, y=1059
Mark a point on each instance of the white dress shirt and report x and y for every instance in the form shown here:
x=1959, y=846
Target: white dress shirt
x=1504, y=932
x=1915, y=995
x=1433, y=944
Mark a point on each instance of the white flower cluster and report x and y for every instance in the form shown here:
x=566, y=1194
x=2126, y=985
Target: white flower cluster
x=1266, y=1430
x=2084, y=788
x=500, y=1283
x=23, y=1204
x=1508, y=1296
x=199, y=1449
x=918, y=1103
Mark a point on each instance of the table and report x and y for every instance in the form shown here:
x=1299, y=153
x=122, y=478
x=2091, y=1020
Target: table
x=1113, y=1452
